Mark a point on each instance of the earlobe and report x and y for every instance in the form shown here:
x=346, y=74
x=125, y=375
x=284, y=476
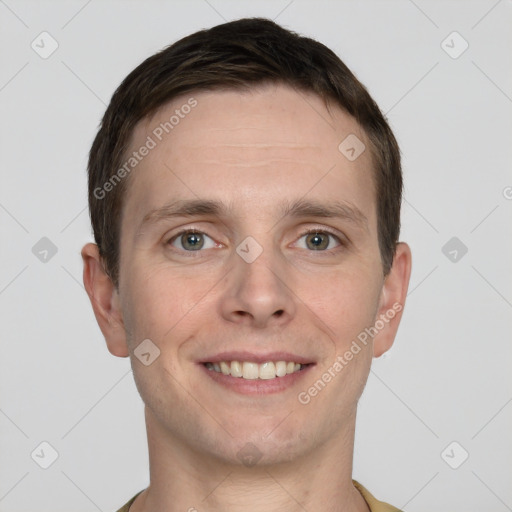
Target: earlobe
x=104, y=300
x=392, y=300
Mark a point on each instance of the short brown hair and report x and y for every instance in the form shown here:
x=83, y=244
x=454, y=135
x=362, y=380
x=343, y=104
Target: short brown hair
x=236, y=55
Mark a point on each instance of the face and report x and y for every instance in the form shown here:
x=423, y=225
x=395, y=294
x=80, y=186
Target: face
x=249, y=247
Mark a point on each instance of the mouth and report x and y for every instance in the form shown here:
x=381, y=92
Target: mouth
x=251, y=371
x=256, y=374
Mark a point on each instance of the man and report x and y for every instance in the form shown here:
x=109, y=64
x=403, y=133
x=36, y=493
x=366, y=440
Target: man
x=245, y=198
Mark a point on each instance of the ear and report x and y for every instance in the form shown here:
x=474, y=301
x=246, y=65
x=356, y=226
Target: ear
x=105, y=302
x=392, y=300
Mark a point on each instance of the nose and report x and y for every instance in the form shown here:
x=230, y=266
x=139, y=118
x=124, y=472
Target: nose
x=258, y=293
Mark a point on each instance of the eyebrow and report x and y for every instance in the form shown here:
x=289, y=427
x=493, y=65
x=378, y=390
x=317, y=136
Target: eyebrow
x=297, y=209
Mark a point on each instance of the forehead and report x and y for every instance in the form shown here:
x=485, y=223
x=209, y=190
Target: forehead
x=250, y=145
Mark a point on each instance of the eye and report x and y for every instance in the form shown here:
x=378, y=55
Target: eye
x=192, y=241
x=319, y=241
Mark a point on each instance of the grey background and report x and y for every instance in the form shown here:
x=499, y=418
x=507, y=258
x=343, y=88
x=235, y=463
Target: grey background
x=448, y=376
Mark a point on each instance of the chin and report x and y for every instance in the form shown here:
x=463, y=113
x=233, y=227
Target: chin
x=251, y=447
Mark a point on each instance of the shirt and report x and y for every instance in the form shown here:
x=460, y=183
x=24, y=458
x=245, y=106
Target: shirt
x=373, y=504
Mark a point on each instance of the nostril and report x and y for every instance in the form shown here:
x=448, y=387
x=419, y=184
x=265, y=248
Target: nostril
x=279, y=313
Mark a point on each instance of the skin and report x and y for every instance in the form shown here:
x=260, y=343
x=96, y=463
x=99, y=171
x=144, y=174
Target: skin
x=252, y=151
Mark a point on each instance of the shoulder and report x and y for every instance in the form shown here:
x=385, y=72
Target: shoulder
x=374, y=504
x=126, y=507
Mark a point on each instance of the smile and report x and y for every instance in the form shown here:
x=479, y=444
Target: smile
x=252, y=371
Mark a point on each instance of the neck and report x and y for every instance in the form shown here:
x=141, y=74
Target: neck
x=182, y=479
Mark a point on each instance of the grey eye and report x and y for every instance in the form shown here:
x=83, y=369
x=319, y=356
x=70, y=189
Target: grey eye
x=318, y=241
x=192, y=241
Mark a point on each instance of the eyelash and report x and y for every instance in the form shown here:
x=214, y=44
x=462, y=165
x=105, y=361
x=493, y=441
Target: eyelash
x=310, y=231
x=324, y=231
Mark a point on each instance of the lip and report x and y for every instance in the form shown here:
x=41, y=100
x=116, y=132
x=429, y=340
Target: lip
x=256, y=386
x=255, y=357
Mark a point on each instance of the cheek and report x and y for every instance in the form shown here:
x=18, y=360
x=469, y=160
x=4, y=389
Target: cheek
x=161, y=303
x=345, y=303
x=148, y=305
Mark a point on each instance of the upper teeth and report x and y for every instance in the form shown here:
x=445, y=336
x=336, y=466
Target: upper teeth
x=248, y=370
